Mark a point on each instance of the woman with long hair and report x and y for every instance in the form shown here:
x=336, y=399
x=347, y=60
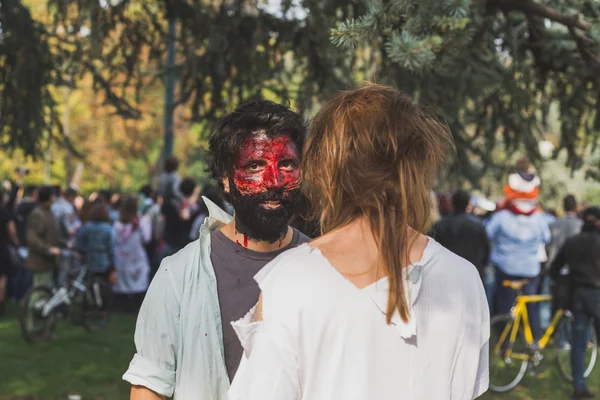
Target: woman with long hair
x=373, y=309
x=95, y=239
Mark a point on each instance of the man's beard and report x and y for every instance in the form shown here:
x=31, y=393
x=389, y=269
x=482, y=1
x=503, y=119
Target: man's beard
x=259, y=223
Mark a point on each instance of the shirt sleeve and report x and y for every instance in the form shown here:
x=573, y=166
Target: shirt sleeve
x=546, y=233
x=492, y=227
x=269, y=366
x=35, y=231
x=157, y=336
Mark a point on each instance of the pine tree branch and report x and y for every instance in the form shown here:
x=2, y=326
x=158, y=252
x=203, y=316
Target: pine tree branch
x=580, y=40
x=533, y=8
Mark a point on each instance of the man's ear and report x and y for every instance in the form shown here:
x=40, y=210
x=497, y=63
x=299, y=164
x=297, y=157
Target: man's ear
x=225, y=181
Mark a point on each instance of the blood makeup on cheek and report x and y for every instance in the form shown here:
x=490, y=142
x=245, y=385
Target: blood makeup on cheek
x=266, y=163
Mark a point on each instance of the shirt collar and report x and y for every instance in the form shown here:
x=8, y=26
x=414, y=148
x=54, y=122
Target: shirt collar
x=216, y=216
x=413, y=276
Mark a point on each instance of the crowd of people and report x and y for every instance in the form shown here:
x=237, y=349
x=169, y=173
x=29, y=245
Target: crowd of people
x=47, y=233
x=520, y=241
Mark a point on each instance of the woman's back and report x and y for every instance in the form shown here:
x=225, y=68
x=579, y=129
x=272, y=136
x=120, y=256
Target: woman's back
x=131, y=260
x=94, y=240
x=347, y=350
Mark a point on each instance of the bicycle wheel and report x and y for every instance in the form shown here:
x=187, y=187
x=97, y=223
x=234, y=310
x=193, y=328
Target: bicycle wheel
x=506, y=372
x=96, y=304
x=563, y=345
x=34, y=326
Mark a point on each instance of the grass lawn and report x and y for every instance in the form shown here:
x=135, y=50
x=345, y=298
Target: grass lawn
x=91, y=365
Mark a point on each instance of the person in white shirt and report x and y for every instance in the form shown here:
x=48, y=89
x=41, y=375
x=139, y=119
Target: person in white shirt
x=374, y=309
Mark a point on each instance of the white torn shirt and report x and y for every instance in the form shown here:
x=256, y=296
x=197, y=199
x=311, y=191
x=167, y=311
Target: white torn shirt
x=322, y=338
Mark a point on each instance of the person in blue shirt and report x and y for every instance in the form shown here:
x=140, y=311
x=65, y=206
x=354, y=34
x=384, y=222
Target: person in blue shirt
x=95, y=241
x=517, y=233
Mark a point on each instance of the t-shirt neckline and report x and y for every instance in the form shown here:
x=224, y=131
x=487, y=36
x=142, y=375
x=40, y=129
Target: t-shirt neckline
x=217, y=234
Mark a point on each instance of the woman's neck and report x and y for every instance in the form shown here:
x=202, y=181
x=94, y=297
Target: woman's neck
x=353, y=251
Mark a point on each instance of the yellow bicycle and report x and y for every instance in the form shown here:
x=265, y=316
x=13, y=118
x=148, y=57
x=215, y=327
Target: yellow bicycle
x=513, y=349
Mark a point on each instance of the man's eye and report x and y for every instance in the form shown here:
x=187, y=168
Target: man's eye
x=287, y=166
x=253, y=168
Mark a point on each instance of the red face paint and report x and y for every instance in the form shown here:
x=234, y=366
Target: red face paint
x=266, y=163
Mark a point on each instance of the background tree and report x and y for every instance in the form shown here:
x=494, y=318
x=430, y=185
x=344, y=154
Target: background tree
x=496, y=69
x=499, y=70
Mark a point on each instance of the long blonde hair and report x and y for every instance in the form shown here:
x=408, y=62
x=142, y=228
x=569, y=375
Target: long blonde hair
x=373, y=153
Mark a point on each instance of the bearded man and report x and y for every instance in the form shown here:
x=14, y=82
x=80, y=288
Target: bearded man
x=184, y=340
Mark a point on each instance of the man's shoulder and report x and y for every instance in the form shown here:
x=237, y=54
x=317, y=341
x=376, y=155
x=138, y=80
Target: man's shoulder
x=302, y=238
x=181, y=267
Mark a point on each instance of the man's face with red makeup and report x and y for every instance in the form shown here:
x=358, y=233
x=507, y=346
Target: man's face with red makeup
x=265, y=164
x=264, y=185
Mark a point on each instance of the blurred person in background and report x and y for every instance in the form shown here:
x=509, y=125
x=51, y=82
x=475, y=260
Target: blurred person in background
x=68, y=223
x=21, y=279
x=106, y=197
x=582, y=254
x=169, y=180
x=213, y=194
x=95, y=242
x=43, y=239
x=65, y=215
x=9, y=242
x=130, y=234
x=517, y=233
x=150, y=208
x=179, y=215
x=464, y=234
x=563, y=228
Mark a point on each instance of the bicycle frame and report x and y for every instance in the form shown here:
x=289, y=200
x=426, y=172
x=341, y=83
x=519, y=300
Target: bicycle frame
x=62, y=296
x=520, y=314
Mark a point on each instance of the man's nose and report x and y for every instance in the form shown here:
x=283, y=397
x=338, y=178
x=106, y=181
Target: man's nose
x=273, y=178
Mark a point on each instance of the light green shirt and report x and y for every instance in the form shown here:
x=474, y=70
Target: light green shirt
x=178, y=335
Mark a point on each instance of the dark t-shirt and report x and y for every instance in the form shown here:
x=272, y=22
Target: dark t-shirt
x=177, y=230
x=5, y=260
x=235, y=267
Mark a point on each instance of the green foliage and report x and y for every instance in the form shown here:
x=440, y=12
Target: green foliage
x=493, y=68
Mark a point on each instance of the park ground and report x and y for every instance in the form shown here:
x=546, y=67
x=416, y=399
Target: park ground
x=91, y=365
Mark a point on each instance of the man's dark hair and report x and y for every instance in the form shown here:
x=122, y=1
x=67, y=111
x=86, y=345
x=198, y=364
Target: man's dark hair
x=70, y=193
x=45, y=193
x=570, y=203
x=591, y=219
x=30, y=190
x=57, y=190
x=460, y=201
x=187, y=186
x=171, y=164
x=105, y=196
x=147, y=190
x=250, y=117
